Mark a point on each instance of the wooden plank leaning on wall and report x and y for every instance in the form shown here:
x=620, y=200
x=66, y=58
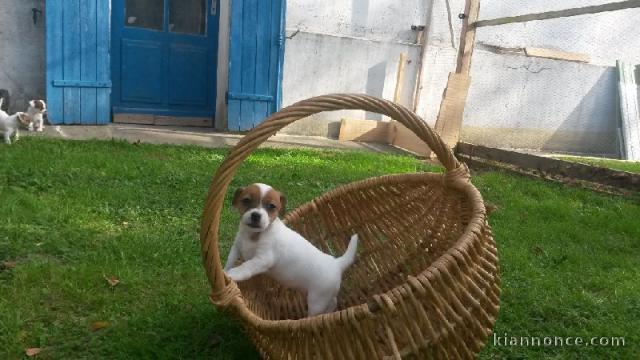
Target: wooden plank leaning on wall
x=449, y=118
x=451, y=107
x=397, y=134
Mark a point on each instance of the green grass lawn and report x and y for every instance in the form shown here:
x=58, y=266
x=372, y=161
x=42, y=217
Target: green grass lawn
x=73, y=213
x=630, y=166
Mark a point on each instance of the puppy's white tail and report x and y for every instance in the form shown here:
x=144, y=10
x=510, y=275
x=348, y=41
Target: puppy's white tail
x=347, y=258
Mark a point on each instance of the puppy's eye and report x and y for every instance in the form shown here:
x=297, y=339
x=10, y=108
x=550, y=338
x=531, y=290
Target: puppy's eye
x=271, y=207
x=246, y=201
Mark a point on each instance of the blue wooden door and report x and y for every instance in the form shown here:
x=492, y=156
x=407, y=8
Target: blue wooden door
x=78, y=76
x=255, y=61
x=164, y=57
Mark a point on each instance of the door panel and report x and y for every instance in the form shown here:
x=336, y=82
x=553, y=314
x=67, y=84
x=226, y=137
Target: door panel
x=255, y=61
x=88, y=96
x=188, y=68
x=249, y=60
x=141, y=72
x=165, y=56
x=262, y=85
x=71, y=44
x=77, y=65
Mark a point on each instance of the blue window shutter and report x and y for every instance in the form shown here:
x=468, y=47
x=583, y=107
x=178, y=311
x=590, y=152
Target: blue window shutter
x=255, y=61
x=78, y=65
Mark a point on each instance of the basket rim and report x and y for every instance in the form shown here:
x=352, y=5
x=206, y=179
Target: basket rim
x=370, y=308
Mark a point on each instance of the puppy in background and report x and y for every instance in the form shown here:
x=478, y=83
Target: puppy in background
x=36, y=112
x=268, y=246
x=10, y=124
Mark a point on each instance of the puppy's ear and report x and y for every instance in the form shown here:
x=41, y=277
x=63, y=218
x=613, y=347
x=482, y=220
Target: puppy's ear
x=24, y=118
x=236, y=197
x=283, y=204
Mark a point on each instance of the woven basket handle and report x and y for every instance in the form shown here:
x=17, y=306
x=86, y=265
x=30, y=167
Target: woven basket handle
x=213, y=205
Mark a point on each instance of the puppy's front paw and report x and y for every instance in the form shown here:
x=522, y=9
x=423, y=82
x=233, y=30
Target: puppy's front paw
x=236, y=274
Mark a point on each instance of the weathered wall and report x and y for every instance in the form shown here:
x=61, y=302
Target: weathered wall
x=22, y=67
x=549, y=105
x=348, y=46
x=543, y=104
x=605, y=37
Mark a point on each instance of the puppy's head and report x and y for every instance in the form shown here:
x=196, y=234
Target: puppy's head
x=24, y=118
x=38, y=105
x=259, y=205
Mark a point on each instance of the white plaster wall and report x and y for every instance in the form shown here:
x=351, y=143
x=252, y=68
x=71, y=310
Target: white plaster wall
x=541, y=104
x=385, y=20
x=22, y=66
x=549, y=105
x=348, y=46
x=605, y=37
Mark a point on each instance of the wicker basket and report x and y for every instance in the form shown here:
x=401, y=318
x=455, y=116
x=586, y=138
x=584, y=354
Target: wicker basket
x=425, y=283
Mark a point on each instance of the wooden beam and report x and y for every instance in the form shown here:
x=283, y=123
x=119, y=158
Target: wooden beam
x=407, y=140
x=364, y=130
x=145, y=119
x=422, y=40
x=467, y=37
x=629, y=4
x=556, y=54
x=150, y=119
x=397, y=94
x=550, y=166
x=183, y=121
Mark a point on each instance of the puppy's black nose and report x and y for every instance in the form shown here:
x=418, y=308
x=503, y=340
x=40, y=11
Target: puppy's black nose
x=255, y=217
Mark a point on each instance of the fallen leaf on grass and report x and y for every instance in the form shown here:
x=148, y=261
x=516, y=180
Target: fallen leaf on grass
x=99, y=325
x=31, y=352
x=112, y=280
x=8, y=265
x=538, y=250
x=490, y=207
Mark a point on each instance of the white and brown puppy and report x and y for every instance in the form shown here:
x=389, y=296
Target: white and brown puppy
x=36, y=111
x=268, y=246
x=9, y=124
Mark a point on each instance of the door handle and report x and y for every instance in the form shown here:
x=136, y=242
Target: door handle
x=214, y=7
